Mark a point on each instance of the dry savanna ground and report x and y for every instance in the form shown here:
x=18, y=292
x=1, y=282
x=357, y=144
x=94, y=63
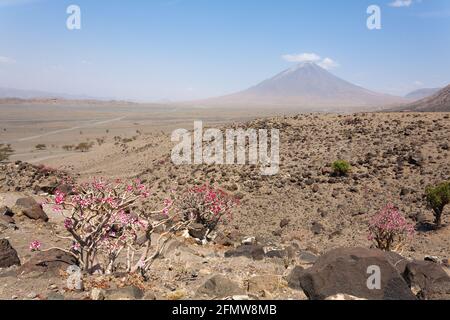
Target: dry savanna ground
x=393, y=157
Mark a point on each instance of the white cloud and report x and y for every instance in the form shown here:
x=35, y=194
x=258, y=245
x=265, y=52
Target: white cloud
x=326, y=63
x=401, y=3
x=6, y=60
x=302, y=57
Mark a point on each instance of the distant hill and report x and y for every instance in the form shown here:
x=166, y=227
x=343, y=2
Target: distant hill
x=35, y=94
x=422, y=93
x=439, y=102
x=305, y=86
x=18, y=96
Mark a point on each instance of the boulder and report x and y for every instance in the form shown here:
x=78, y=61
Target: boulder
x=29, y=208
x=48, y=263
x=346, y=271
x=255, y=252
x=8, y=255
x=429, y=279
x=219, y=286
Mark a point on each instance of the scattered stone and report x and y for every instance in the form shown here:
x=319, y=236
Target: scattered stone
x=219, y=286
x=249, y=241
x=32, y=295
x=29, y=208
x=259, y=284
x=317, y=228
x=255, y=252
x=307, y=257
x=415, y=159
x=431, y=259
x=125, y=293
x=197, y=230
x=149, y=296
x=55, y=296
x=276, y=253
x=97, y=294
x=293, y=278
x=5, y=211
x=8, y=255
x=284, y=223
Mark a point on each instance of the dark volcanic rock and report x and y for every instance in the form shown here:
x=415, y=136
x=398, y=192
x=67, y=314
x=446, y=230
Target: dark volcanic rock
x=345, y=271
x=48, y=262
x=197, y=230
x=428, y=277
x=5, y=211
x=255, y=252
x=293, y=278
x=30, y=208
x=8, y=255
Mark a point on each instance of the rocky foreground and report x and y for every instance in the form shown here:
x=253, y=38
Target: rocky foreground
x=299, y=235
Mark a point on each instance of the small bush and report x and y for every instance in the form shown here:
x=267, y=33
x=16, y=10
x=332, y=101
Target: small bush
x=5, y=151
x=68, y=147
x=41, y=146
x=437, y=198
x=83, y=147
x=389, y=227
x=341, y=167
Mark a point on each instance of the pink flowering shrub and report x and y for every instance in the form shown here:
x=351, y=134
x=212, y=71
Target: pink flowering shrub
x=388, y=227
x=206, y=205
x=35, y=246
x=100, y=218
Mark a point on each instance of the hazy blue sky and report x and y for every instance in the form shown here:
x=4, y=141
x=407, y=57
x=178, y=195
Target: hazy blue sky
x=183, y=49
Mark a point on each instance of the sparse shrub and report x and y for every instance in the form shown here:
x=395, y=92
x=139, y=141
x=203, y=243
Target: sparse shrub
x=68, y=147
x=83, y=147
x=341, y=167
x=389, y=227
x=100, y=141
x=5, y=152
x=40, y=146
x=438, y=197
x=206, y=205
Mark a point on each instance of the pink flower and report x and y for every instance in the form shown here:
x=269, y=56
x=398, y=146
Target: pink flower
x=59, y=197
x=35, y=246
x=68, y=223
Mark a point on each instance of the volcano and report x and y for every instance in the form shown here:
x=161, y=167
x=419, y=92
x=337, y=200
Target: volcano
x=306, y=86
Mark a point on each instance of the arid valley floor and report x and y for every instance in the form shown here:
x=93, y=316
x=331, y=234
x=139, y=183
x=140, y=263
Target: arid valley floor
x=296, y=216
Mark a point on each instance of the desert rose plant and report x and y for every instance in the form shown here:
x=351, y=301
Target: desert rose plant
x=388, y=228
x=205, y=205
x=102, y=224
